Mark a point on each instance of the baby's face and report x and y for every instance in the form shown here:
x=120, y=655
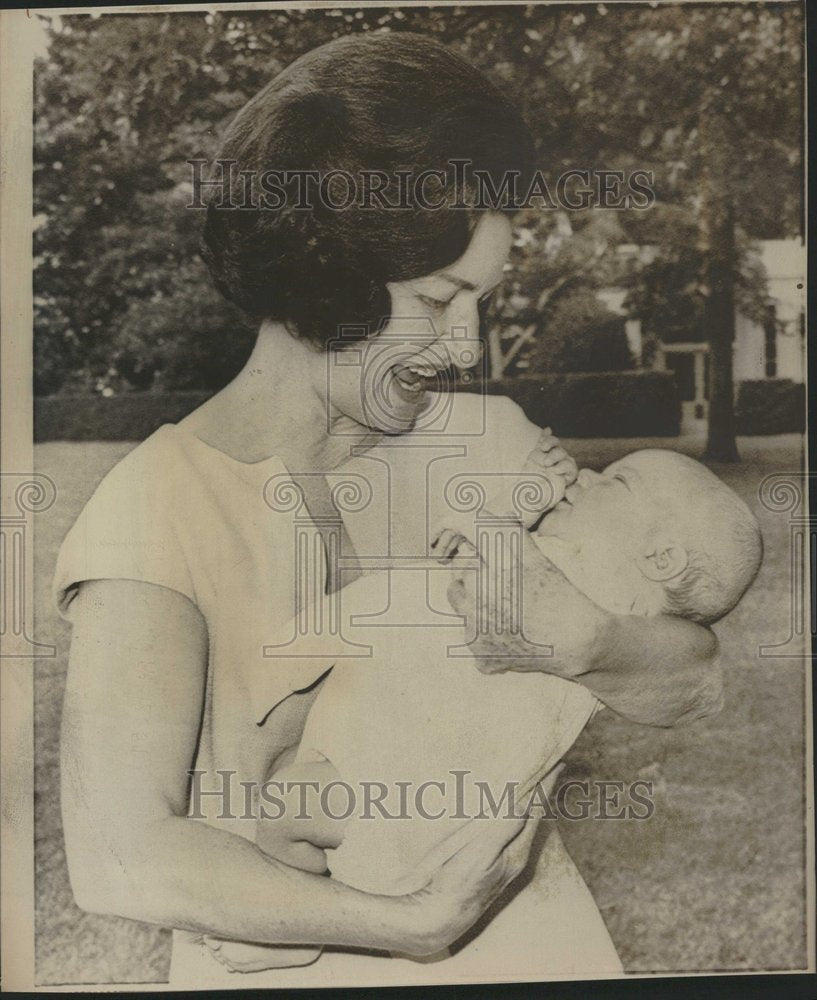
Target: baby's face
x=604, y=525
x=619, y=509
x=619, y=504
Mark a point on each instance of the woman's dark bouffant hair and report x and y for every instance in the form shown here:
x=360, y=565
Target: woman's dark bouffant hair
x=387, y=102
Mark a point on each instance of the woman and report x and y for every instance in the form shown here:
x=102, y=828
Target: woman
x=179, y=569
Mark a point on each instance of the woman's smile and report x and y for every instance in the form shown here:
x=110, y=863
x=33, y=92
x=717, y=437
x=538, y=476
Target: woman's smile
x=413, y=378
x=410, y=384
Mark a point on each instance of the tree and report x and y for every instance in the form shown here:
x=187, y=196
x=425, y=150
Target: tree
x=712, y=96
x=126, y=99
x=549, y=297
x=717, y=235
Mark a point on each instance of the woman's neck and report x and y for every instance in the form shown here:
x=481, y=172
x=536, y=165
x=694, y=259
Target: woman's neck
x=277, y=405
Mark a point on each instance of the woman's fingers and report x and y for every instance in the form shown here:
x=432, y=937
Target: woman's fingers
x=468, y=882
x=484, y=866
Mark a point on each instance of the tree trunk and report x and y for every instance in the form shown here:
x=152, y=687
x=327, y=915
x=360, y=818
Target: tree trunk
x=718, y=246
x=719, y=314
x=496, y=366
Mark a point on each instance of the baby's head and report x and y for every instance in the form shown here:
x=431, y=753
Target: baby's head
x=655, y=532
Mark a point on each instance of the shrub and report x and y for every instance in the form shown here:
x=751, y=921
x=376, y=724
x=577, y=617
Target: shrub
x=771, y=406
x=132, y=416
x=598, y=404
x=604, y=404
x=581, y=335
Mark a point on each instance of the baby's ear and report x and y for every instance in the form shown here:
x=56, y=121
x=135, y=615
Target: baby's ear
x=663, y=559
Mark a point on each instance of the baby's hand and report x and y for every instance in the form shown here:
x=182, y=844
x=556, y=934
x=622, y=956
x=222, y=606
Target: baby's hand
x=549, y=458
x=448, y=542
x=525, y=495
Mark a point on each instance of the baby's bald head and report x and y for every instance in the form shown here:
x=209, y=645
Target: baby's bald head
x=721, y=536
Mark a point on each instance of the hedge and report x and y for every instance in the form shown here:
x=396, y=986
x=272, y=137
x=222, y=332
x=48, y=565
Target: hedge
x=592, y=404
x=771, y=406
x=132, y=416
x=599, y=404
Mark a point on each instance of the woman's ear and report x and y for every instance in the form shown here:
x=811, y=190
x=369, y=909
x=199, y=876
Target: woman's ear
x=663, y=559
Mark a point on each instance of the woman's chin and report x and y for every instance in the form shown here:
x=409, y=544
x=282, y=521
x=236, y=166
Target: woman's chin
x=400, y=412
x=399, y=421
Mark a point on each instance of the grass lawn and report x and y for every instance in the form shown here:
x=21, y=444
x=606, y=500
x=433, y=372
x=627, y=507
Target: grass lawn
x=712, y=881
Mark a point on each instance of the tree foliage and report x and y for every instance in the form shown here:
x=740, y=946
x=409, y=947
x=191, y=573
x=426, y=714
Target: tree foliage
x=124, y=100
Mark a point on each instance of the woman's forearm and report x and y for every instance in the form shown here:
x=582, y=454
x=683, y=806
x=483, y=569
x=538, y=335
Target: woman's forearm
x=131, y=719
x=192, y=876
x=658, y=671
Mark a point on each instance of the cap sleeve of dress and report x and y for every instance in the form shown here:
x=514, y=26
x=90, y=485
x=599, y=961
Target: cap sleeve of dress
x=127, y=530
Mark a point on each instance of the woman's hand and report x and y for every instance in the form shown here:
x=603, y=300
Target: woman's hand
x=525, y=615
x=522, y=614
x=472, y=879
x=438, y=914
x=442, y=911
x=466, y=885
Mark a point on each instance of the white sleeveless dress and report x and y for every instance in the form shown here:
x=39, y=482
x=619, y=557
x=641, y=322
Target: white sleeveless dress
x=178, y=513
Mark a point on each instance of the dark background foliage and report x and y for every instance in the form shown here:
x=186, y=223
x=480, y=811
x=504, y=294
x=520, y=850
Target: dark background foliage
x=124, y=100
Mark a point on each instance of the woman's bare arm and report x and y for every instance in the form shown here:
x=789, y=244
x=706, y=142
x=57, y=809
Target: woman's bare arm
x=660, y=671
x=133, y=706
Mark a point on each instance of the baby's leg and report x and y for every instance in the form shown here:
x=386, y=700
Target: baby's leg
x=296, y=829
x=293, y=839
x=282, y=835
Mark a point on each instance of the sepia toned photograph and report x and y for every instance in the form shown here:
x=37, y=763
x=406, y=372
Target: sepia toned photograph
x=406, y=545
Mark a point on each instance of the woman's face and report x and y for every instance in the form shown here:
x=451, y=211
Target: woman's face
x=388, y=382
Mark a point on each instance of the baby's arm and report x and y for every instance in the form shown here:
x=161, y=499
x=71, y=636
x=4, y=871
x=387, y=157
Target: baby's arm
x=549, y=467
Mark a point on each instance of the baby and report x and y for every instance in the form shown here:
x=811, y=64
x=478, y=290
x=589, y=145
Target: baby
x=655, y=532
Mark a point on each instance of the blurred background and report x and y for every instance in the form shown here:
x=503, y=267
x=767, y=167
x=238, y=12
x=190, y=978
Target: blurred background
x=680, y=326
x=706, y=282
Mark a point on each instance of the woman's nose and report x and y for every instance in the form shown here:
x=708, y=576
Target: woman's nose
x=463, y=351
x=461, y=340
